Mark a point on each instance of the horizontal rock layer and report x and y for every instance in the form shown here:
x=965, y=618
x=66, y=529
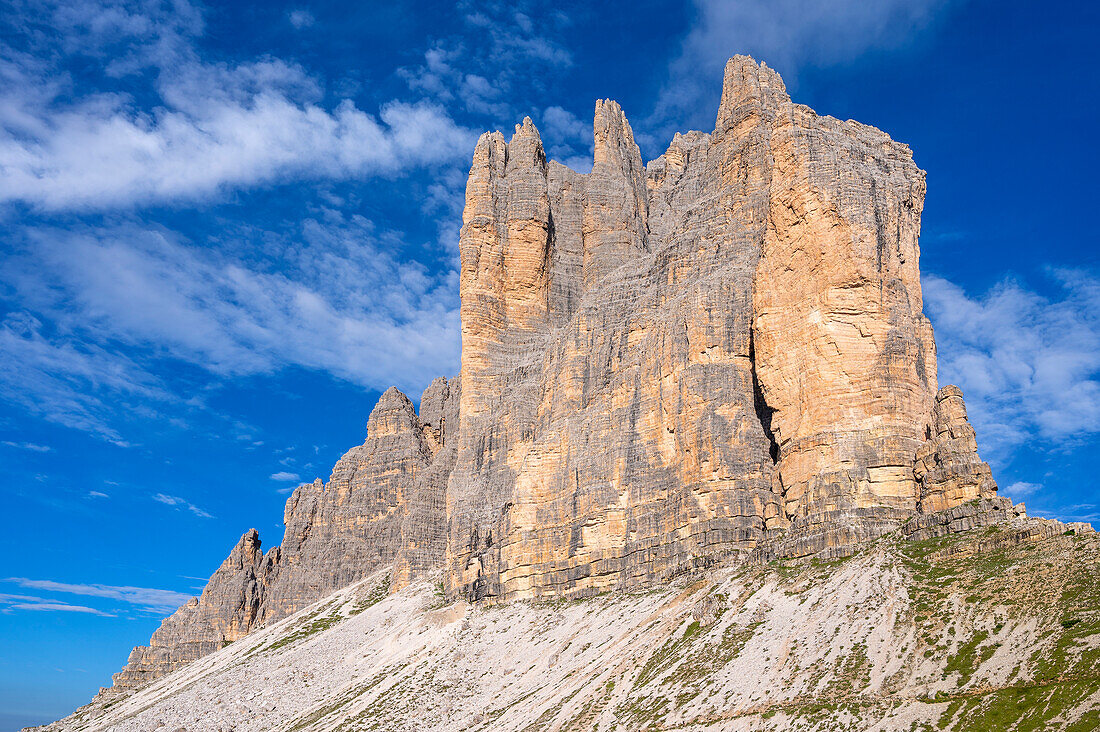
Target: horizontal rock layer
x=989, y=630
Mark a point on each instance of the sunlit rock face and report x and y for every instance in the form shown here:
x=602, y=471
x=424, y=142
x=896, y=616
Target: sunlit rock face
x=719, y=355
x=669, y=365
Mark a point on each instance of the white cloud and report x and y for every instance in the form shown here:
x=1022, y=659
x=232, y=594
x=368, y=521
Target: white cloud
x=71, y=382
x=97, y=494
x=282, y=475
x=1087, y=512
x=786, y=34
x=301, y=19
x=181, y=503
x=215, y=126
x=568, y=138
x=561, y=125
x=1028, y=364
x=164, y=601
x=8, y=603
x=1020, y=489
x=28, y=446
x=515, y=49
x=57, y=607
x=99, y=311
x=364, y=315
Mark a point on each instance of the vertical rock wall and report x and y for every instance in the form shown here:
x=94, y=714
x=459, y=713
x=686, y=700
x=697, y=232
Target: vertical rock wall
x=744, y=354
x=844, y=354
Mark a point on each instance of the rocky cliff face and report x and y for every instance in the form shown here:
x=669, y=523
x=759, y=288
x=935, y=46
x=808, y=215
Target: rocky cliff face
x=719, y=355
x=669, y=365
x=226, y=611
x=383, y=505
x=978, y=631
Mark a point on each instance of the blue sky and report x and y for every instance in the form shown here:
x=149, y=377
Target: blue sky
x=227, y=228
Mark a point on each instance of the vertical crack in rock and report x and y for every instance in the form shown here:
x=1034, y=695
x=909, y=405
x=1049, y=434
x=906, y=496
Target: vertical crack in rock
x=763, y=411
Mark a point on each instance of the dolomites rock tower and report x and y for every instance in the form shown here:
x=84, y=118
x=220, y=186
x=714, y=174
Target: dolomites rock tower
x=720, y=355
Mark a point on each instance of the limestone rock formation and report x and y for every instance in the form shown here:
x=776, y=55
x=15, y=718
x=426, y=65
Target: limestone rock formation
x=948, y=467
x=666, y=366
x=226, y=611
x=340, y=531
x=423, y=540
x=383, y=504
x=719, y=355
x=981, y=631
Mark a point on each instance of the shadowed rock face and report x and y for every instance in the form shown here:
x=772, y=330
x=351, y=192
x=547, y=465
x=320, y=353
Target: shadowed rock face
x=338, y=532
x=718, y=355
x=948, y=467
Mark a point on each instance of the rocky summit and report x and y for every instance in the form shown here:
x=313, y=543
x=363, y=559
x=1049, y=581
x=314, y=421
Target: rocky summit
x=696, y=378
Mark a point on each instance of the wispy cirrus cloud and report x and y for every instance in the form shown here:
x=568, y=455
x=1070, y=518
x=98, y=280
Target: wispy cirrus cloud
x=70, y=381
x=102, y=307
x=301, y=19
x=788, y=35
x=1087, y=512
x=27, y=446
x=10, y=603
x=283, y=476
x=1021, y=489
x=156, y=600
x=179, y=502
x=488, y=78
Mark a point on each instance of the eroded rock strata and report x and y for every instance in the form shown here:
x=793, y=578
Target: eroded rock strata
x=666, y=366
x=718, y=355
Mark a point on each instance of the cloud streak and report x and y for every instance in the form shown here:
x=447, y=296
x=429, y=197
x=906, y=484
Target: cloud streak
x=27, y=446
x=156, y=600
x=344, y=303
x=72, y=382
x=788, y=35
x=181, y=503
x=45, y=606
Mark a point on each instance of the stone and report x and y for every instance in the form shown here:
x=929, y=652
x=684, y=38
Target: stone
x=225, y=612
x=718, y=356
x=423, y=540
x=947, y=466
x=341, y=531
x=383, y=504
x=665, y=368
